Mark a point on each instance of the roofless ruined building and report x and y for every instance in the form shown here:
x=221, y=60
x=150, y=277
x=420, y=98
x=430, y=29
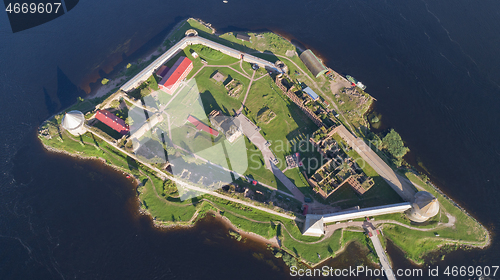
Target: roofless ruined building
x=313, y=63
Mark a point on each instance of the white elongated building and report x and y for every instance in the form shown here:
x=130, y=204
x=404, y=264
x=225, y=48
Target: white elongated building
x=315, y=224
x=74, y=122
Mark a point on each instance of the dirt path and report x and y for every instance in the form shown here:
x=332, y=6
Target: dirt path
x=246, y=94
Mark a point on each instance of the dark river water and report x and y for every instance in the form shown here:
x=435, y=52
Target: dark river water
x=433, y=66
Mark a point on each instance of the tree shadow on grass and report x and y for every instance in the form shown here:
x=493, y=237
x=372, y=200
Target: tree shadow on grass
x=132, y=163
x=210, y=104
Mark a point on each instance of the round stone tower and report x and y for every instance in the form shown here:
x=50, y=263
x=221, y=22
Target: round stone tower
x=424, y=207
x=73, y=122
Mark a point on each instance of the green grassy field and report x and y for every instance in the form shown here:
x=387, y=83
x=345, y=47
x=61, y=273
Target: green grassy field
x=214, y=96
x=290, y=124
x=313, y=253
x=257, y=169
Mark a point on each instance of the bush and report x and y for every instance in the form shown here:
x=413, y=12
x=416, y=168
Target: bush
x=394, y=144
x=115, y=103
x=104, y=81
x=289, y=260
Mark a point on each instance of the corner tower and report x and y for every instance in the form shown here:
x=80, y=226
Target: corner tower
x=424, y=207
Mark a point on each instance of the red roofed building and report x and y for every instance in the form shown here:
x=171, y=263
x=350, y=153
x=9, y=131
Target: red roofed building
x=202, y=127
x=170, y=82
x=112, y=121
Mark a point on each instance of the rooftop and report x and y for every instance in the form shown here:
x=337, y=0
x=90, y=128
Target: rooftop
x=243, y=37
x=313, y=63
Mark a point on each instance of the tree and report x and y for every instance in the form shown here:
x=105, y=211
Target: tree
x=129, y=121
x=394, y=144
x=115, y=103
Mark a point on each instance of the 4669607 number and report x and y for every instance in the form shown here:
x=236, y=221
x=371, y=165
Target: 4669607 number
x=33, y=8
x=477, y=271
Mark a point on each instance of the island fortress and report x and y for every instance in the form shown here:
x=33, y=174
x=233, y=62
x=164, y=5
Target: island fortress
x=277, y=148
x=314, y=224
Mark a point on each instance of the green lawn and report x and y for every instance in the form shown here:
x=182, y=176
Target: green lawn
x=309, y=252
x=290, y=124
x=162, y=209
x=214, y=96
x=295, y=175
x=257, y=169
x=213, y=57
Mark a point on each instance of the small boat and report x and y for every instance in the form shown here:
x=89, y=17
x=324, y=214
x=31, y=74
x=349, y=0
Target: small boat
x=355, y=82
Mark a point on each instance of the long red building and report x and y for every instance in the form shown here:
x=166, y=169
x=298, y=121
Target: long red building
x=202, y=127
x=112, y=121
x=170, y=82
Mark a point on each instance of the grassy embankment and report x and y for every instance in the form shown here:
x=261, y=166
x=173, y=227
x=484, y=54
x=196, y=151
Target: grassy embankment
x=416, y=244
x=166, y=209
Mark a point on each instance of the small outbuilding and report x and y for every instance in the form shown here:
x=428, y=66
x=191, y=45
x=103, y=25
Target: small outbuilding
x=313, y=63
x=112, y=121
x=311, y=93
x=243, y=37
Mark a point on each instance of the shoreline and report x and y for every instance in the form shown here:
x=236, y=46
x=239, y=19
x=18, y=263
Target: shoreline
x=118, y=78
x=250, y=235
x=188, y=224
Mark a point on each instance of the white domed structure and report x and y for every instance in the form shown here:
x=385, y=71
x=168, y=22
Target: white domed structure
x=424, y=207
x=73, y=122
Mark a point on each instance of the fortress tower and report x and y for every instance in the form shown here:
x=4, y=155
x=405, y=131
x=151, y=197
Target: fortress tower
x=424, y=207
x=73, y=122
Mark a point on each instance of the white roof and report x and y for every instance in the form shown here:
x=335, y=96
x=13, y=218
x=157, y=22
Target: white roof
x=426, y=204
x=365, y=212
x=314, y=226
x=73, y=120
